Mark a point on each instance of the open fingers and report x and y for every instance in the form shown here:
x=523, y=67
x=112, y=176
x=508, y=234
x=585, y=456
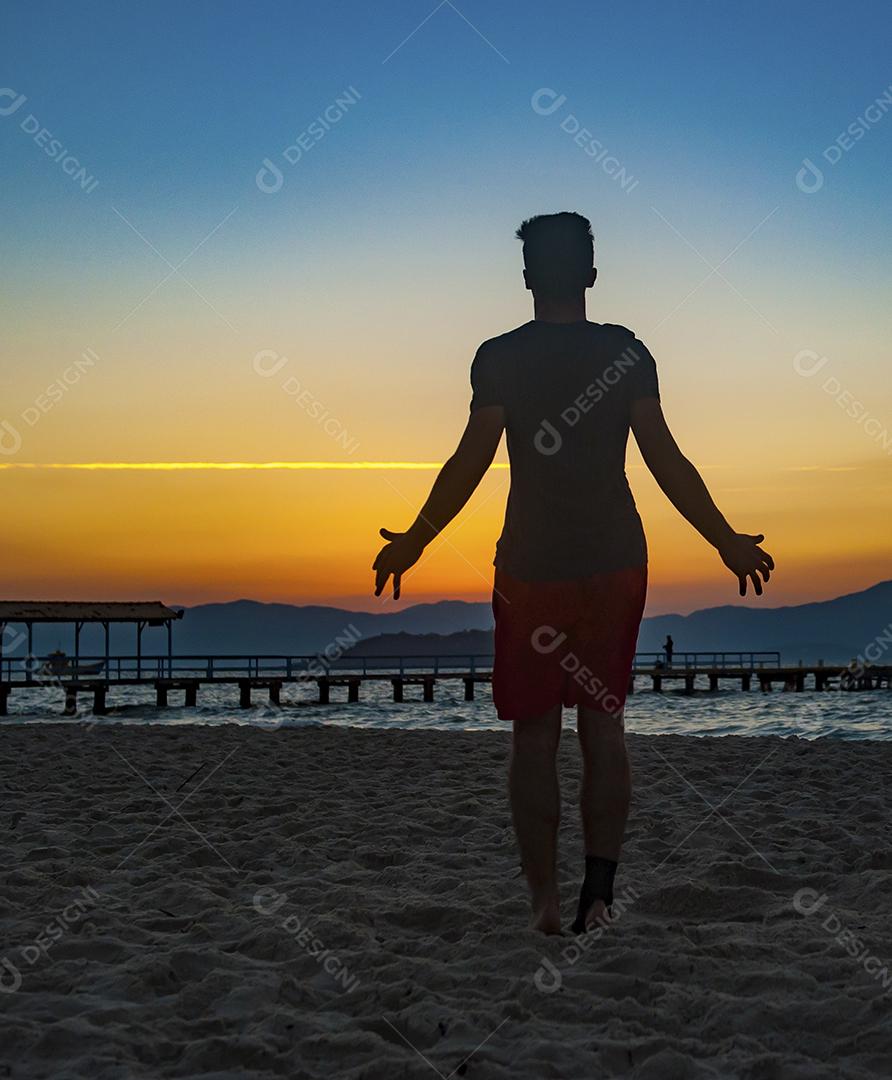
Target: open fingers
x=397, y=582
x=757, y=584
x=381, y=577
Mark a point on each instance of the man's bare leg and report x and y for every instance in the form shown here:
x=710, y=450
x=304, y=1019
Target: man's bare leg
x=606, y=790
x=535, y=808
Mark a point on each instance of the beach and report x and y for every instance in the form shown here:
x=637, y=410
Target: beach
x=328, y=902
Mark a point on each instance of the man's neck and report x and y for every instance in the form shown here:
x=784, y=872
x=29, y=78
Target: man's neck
x=546, y=309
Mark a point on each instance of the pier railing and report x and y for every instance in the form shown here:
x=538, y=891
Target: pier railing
x=235, y=666
x=187, y=674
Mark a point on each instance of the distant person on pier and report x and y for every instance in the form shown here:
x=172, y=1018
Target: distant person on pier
x=571, y=563
x=668, y=649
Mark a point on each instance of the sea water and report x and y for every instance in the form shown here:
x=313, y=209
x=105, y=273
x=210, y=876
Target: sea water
x=808, y=714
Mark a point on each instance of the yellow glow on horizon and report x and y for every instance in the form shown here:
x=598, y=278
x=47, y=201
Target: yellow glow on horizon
x=183, y=466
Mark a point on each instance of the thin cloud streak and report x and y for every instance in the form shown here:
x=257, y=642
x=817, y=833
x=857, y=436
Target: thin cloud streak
x=229, y=466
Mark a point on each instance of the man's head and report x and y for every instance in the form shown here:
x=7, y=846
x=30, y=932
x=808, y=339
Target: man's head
x=558, y=255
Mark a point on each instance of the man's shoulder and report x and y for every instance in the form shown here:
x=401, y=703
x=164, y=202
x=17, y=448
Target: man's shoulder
x=507, y=344
x=505, y=341
x=617, y=330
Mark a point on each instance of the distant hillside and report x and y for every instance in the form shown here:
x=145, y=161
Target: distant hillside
x=832, y=630
x=464, y=643
x=249, y=627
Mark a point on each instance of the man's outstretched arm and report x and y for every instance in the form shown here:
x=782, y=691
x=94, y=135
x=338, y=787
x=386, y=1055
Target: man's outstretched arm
x=455, y=484
x=685, y=489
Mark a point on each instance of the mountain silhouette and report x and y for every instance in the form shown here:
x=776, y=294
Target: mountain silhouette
x=831, y=630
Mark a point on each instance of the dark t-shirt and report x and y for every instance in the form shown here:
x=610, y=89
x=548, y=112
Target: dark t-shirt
x=566, y=389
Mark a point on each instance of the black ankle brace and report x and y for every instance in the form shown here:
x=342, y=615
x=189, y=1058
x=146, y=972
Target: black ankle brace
x=598, y=885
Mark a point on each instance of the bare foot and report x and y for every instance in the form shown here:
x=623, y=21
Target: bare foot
x=547, y=915
x=597, y=916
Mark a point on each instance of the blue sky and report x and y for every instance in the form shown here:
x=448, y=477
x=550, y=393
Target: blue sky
x=388, y=253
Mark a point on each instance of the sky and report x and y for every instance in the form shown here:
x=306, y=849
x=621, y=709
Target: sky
x=252, y=235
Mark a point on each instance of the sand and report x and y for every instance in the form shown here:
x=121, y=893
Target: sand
x=210, y=902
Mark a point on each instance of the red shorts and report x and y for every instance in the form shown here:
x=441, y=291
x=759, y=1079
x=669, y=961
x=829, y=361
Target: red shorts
x=565, y=642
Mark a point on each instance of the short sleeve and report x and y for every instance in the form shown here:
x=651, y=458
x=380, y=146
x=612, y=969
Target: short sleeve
x=485, y=388
x=640, y=368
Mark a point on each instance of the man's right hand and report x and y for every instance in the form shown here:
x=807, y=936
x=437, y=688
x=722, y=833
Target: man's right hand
x=402, y=551
x=745, y=559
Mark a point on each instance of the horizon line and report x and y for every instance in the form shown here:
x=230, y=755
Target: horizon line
x=175, y=466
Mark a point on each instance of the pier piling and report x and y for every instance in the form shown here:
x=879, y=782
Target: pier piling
x=162, y=674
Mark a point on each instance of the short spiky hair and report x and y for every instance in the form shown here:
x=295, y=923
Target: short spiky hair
x=558, y=252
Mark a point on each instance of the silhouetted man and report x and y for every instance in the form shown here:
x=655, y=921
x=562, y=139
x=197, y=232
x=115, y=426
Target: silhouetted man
x=668, y=649
x=571, y=563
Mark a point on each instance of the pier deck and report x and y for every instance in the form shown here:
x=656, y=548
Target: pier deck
x=188, y=674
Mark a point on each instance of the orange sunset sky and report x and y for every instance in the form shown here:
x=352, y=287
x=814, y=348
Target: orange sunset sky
x=179, y=314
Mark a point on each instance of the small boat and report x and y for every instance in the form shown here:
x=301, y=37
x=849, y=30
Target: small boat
x=61, y=666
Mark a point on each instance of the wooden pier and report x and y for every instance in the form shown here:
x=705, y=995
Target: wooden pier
x=186, y=675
